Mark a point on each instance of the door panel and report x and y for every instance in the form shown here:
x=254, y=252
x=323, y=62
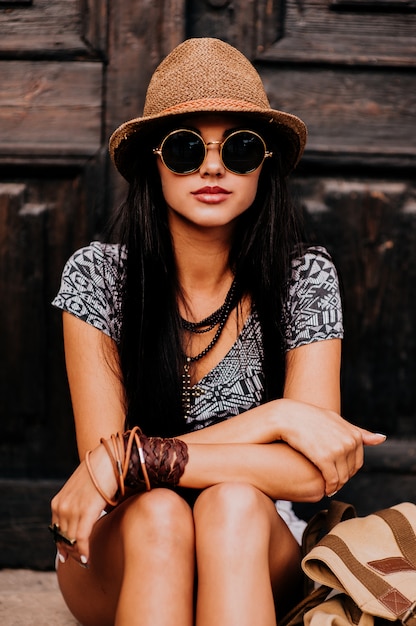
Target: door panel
x=50, y=110
x=350, y=114
x=41, y=29
x=52, y=200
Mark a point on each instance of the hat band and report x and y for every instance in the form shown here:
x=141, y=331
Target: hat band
x=211, y=104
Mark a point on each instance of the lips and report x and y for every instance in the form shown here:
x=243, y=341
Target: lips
x=211, y=195
x=210, y=191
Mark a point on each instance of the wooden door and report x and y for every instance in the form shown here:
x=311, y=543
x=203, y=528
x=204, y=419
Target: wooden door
x=71, y=71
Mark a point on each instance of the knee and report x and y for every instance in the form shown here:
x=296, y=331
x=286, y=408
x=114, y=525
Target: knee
x=160, y=518
x=228, y=507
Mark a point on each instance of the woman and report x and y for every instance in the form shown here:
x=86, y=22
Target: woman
x=206, y=309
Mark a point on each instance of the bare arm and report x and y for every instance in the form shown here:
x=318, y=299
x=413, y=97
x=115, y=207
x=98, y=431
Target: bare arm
x=95, y=383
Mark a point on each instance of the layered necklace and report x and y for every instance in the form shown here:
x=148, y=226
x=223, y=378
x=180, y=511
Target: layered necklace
x=218, y=318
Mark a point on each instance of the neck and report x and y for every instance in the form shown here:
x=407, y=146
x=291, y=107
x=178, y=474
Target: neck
x=202, y=259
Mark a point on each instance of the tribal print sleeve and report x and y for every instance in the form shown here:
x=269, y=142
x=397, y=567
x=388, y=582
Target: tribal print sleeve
x=89, y=287
x=313, y=311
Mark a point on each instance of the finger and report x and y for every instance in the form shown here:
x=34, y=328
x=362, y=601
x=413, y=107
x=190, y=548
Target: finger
x=64, y=538
x=354, y=459
x=85, y=526
x=62, y=555
x=81, y=559
x=372, y=439
x=61, y=539
x=64, y=545
x=74, y=550
x=329, y=473
x=329, y=490
x=84, y=530
x=343, y=460
x=351, y=460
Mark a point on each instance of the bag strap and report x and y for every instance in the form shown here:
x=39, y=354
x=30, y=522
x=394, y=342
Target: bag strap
x=338, y=512
x=403, y=532
x=324, y=521
x=318, y=526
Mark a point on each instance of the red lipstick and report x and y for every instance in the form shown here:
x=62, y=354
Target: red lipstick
x=210, y=190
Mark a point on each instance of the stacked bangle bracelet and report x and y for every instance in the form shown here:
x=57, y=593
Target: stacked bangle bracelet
x=141, y=462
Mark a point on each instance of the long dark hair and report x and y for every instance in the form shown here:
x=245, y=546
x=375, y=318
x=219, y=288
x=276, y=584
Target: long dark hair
x=150, y=347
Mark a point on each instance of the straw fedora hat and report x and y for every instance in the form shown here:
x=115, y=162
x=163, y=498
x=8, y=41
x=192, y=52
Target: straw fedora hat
x=206, y=75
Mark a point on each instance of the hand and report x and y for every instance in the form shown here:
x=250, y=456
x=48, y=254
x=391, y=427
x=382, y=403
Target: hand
x=78, y=505
x=331, y=443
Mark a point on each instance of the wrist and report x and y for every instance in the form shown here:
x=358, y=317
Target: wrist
x=133, y=460
x=102, y=472
x=278, y=418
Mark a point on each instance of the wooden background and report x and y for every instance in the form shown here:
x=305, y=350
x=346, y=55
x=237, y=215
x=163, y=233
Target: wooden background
x=71, y=71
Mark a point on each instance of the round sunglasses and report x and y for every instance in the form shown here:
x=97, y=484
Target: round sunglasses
x=183, y=151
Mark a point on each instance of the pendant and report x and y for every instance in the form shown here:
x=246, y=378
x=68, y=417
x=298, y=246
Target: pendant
x=188, y=392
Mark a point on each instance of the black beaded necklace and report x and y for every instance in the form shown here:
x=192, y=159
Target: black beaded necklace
x=219, y=317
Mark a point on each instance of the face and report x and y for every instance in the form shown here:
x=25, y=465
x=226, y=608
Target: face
x=212, y=196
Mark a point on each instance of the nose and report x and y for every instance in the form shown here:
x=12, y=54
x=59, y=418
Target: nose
x=212, y=165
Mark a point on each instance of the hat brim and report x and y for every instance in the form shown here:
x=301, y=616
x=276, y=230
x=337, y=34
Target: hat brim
x=290, y=129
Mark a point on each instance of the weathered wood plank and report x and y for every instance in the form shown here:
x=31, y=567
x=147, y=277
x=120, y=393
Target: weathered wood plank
x=369, y=227
x=95, y=25
x=307, y=32
x=138, y=39
x=316, y=17
x=250, y=25
x=313, y=33
x=50, y=108
x=24, y=518
x=307, y=49
x=361, y=111
x=41, y=224
x=43, y=27
x=22, y=360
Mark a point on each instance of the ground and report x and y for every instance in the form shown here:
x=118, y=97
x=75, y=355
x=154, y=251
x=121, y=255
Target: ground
x=29, y=598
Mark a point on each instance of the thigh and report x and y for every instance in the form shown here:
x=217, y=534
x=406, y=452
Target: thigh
x=119, y=543
x=285, y=569
x=92, y=593
x=245, y=549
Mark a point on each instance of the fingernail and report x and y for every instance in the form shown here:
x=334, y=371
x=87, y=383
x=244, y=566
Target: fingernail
x=381, y=435
x=61, y=557
x=331, y=495
x=84, y=560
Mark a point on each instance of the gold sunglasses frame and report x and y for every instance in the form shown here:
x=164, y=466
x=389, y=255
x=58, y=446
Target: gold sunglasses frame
x=158, y=151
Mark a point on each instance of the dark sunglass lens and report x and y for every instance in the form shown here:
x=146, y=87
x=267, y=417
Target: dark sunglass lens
x=183, y=152
x=243, y=152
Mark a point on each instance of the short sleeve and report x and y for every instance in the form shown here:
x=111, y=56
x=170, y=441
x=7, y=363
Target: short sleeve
x=313, y=311
x=89, y=286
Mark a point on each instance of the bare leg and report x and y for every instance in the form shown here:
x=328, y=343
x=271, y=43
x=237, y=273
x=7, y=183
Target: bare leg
x=247, y=558
x=141, y=566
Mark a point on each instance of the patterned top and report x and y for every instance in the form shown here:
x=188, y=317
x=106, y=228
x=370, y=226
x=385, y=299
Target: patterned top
x=312, y=313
